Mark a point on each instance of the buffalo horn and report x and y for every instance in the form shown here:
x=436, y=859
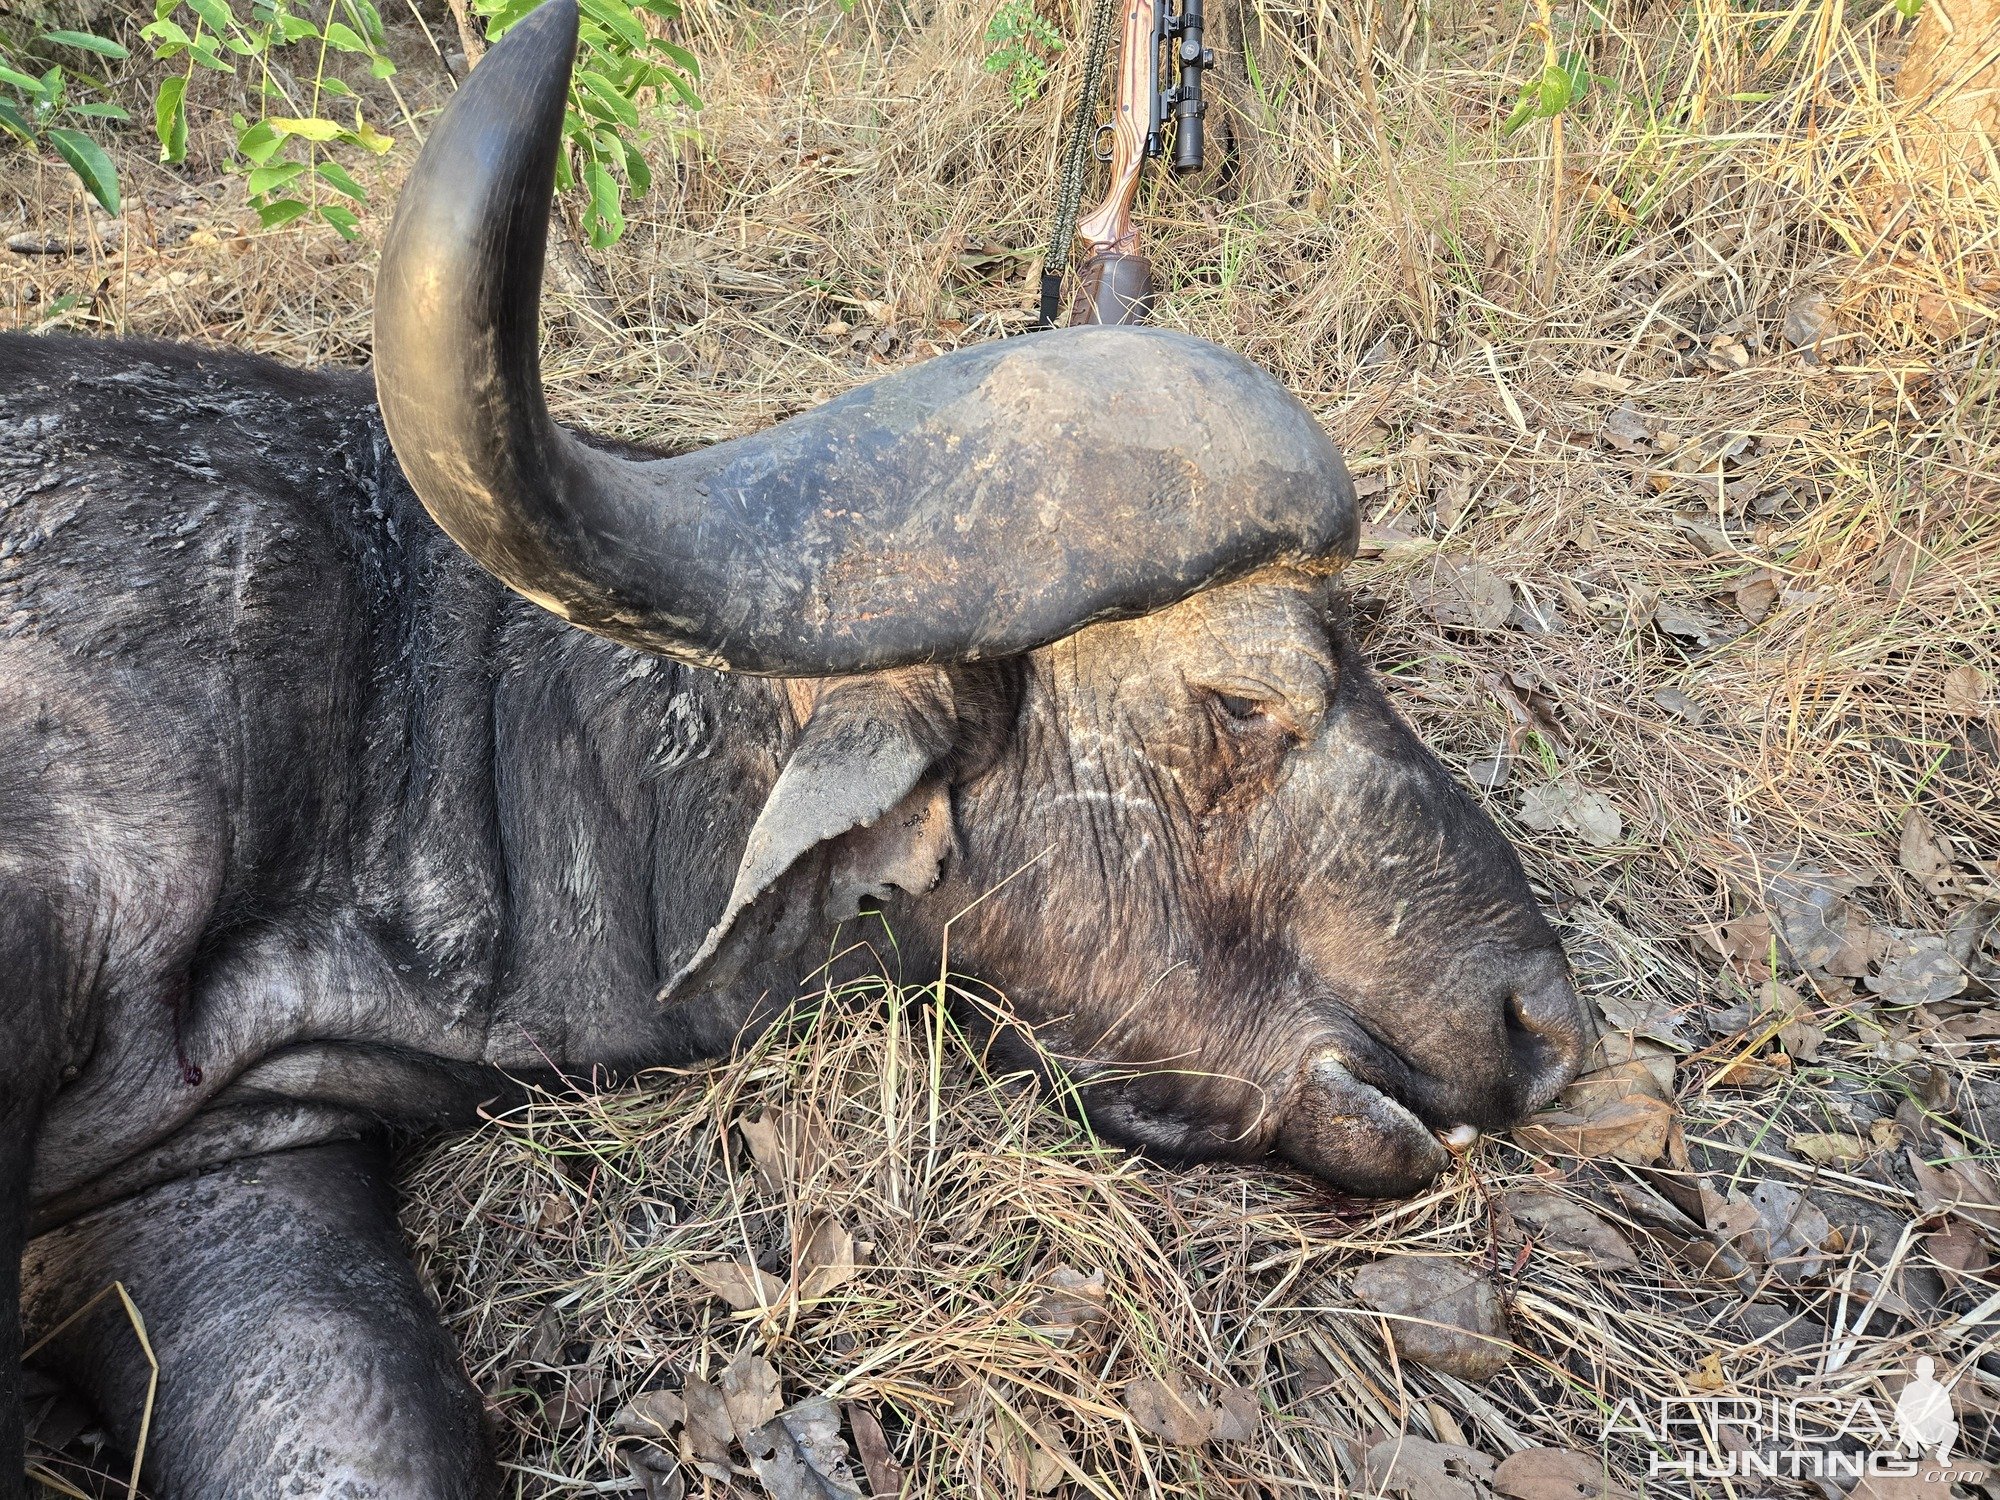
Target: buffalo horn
x=979, y=504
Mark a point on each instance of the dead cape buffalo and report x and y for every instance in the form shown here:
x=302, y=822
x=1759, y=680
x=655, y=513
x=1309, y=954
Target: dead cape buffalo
x=310, y=828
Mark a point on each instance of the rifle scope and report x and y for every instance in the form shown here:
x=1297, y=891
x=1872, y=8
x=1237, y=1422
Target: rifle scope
x=1182, y=34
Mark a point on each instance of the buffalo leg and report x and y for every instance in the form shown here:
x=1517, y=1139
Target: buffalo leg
x=298, y=1354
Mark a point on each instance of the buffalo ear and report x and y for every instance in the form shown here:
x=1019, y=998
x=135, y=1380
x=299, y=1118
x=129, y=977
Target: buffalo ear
x=859, y=801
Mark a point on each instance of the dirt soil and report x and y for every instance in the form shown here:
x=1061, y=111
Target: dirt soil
x=1676, y=432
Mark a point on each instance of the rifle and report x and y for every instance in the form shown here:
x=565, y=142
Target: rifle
x=1161, y=40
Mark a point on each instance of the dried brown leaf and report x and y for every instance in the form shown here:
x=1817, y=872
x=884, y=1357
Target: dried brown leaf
x=1919, y=969
x=659, y=1473
x=1563, y=1223
x=1632, y=1129
x=1442, y=1314
x=739, y=1283
x=652, y=1414
x=1919, y=852
x=1237, y=1415
x=826, y=1260
x=1967, y=691
x=1069, y=1300
x=1831, y=1148
x=800, y=1455
x=871, y=1443
x=1556, y=1474
x=707, y=1434
x=1409, y=1468
x=1756, y=595
x=1464, y=596
x=1962, y=1188
x=1563, y=804
x=768, y=1152
x=749, y=1392
x=1169, y=1410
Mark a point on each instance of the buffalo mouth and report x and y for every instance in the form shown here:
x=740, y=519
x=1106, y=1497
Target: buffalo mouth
x=1354, y=1110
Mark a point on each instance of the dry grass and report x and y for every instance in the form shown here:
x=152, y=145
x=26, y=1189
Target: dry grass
x=1570, y=367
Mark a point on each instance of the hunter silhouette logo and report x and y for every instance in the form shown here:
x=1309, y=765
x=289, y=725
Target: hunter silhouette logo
x=1924, y=1416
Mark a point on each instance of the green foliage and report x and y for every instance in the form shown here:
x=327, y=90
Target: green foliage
x=306, y=126
x=1562, y=84
x=1022, y=44
x=618, y=61
x=52, y=106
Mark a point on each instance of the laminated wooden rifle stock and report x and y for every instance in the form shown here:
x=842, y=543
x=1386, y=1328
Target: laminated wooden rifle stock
x=1115, y=279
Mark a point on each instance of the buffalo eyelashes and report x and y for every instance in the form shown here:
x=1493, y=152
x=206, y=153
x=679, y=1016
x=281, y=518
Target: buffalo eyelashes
x=1235, y=707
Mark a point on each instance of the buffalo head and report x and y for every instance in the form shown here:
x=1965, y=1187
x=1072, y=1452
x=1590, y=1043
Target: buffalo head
x=1066, y=683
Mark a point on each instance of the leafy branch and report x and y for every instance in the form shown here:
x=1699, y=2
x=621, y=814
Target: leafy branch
x=1022, y=43
x=304, y=126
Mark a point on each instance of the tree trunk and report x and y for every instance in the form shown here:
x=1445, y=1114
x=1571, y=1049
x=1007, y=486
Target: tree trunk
x=1952, y=69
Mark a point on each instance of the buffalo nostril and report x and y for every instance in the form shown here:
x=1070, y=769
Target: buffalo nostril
x=1550, y=1030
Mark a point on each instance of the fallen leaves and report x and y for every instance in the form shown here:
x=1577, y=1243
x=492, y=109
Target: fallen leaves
x=1555, y=1474
x=742, y=1284
x=1575, y=809
x=1831, y=1148
x=1068, y=1301
x=796, y=1452
x=1170, y=1410
x=1441, y=1313
x=1464, y=596
x=1964, y=1189
x=1967, y=691
x=1621, y=1109
x=822, y=1261
x=1409, y=1468
x=1561, y=1223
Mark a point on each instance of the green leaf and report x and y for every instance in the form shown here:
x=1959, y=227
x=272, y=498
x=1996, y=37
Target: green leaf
x=296, y=28
x=258, y=143
x=612, y=106
x=341, y=37
x=170, y=121
x=342, y=219
x=381, y=67
x=335, y=176
x=309, y=127
x=602, y=220
x=103, y=46
x=335, y=87
x=163, y=31
x=92, y=167
x=216, y=14
x=15, y=123
x=21, y=81
x=263, y=180
x=365, y=16
x=616, y=18
x=208, y=57
x=637, y=173
x=271, y=215
x=368, y=138
x=685, y=60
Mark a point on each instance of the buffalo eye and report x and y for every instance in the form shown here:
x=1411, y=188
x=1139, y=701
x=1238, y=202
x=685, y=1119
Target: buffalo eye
x=1239, y=708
